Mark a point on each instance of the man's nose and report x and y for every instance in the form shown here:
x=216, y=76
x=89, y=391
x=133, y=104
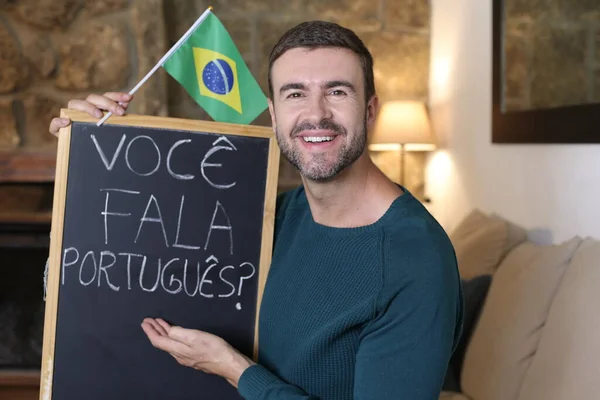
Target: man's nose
x=318, y=109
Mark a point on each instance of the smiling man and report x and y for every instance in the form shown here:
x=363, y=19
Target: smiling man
x=363, y=298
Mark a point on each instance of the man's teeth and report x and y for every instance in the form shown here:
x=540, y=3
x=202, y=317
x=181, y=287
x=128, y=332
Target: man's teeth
x=317, y=139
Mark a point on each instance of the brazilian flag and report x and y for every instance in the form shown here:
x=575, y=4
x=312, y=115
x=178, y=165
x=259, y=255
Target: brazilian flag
x=210, y=68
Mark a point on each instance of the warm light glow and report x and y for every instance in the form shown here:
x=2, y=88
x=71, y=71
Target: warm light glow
x=385, y=147
x=440, y=71
x=402, y=123
x=439, y=168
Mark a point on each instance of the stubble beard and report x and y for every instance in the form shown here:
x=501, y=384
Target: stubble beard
x=317, y=168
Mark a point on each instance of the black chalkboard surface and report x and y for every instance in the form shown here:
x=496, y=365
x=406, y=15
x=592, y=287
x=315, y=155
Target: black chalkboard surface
x=154, y=217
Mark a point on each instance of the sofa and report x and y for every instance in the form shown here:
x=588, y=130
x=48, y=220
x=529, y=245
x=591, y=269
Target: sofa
x=532, y=315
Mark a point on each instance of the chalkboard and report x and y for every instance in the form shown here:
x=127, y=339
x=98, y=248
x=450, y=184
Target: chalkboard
x=154, y=217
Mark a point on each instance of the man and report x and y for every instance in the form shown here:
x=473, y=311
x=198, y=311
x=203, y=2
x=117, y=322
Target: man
x=363, y=298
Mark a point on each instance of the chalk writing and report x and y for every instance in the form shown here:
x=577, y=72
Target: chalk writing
x=161, y=222
x=155, y=158
x=172, y=276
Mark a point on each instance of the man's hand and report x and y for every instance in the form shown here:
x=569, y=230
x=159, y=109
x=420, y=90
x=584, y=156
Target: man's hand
x=196, y=349
x=94, y=105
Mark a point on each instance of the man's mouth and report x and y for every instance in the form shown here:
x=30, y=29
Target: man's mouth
x=317, y=139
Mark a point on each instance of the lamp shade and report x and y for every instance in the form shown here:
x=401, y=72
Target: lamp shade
x=402, y=123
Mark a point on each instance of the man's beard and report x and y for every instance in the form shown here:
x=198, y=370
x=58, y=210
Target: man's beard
x=316, y=168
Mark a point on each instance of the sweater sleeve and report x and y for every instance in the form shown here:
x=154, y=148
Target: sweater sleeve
x=257, y=382
x=405, y=351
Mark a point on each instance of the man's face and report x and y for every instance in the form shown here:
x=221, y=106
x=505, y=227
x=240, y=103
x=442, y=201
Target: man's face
x=318, y=110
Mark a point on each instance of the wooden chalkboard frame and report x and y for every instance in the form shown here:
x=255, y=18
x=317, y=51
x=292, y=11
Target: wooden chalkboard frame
x=58, y=213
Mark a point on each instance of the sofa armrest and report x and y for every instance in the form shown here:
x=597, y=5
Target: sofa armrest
x=453, y=396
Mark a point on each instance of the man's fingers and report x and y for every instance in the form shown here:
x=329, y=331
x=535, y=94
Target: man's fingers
x=157, y=327
x=119, y=96
x=164, y=325
x=85, y=106
x=161, y=342
x=104, y=103
x=182, y=335
x=58, y=123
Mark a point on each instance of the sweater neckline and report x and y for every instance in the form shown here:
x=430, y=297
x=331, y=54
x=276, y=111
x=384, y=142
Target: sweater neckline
x=396, y=209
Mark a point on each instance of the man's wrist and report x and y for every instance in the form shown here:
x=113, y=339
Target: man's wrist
x=239, y=364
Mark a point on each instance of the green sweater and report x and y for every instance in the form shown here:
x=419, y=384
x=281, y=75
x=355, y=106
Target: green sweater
x=372, y=312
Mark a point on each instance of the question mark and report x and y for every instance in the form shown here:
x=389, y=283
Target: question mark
x=238, y=306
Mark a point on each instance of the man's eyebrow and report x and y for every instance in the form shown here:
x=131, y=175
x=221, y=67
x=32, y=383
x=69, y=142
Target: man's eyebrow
x=346, y=84
x=290, y=86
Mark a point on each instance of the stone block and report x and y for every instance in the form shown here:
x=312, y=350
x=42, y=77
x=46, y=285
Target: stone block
x=48, y=14
x=348, y=13
x=406, y=14
x=13, y=66
x=40, y=54
x=401, y=64
x=179, y=16
x=147, y=22
x=7, y=4
x=558, y=70
x=39, y=111
x=9, y=137
x=98, y=7
x=96, y=56
x=246, y=7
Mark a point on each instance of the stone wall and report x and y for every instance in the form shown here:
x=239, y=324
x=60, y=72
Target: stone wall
x=396, y=32
x=552, y=53
x=54, y=50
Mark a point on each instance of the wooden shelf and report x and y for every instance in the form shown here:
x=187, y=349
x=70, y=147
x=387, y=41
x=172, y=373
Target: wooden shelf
x=19, y=384
x=27, y=165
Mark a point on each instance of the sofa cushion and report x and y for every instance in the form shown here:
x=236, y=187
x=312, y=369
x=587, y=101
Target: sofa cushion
x=515, y=235
x=474, y=293
x=479, y=243
x=566, y=364
x=508, y=331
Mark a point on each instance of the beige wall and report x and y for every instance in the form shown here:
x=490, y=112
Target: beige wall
x=553, y=188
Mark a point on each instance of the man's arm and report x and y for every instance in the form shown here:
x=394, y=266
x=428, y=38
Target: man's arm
x=405, y=351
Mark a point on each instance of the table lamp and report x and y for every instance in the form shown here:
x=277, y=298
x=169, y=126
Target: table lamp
x=404, y=126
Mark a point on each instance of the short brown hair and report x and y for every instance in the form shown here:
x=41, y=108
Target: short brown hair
x=319, y=34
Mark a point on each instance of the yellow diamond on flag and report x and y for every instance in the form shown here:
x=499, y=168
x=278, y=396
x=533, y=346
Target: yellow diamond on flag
x=217, y=77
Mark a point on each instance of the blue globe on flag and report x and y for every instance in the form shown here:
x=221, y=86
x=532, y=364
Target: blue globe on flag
x=217, y=76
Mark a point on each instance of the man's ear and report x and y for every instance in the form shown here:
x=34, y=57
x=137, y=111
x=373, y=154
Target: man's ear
x=272, y=112
x=372, y=110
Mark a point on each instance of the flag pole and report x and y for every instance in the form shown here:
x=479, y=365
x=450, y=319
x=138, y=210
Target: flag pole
x=164, y=58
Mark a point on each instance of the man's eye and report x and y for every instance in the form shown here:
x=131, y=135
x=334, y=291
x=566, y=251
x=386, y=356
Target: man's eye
x=294, y=95
x=337, y=92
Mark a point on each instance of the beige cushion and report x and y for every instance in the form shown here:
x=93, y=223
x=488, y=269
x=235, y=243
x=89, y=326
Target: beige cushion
x=567, y=362
x=479, y=243
x=453, y=396
x=508, y=331
x=514, y=237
